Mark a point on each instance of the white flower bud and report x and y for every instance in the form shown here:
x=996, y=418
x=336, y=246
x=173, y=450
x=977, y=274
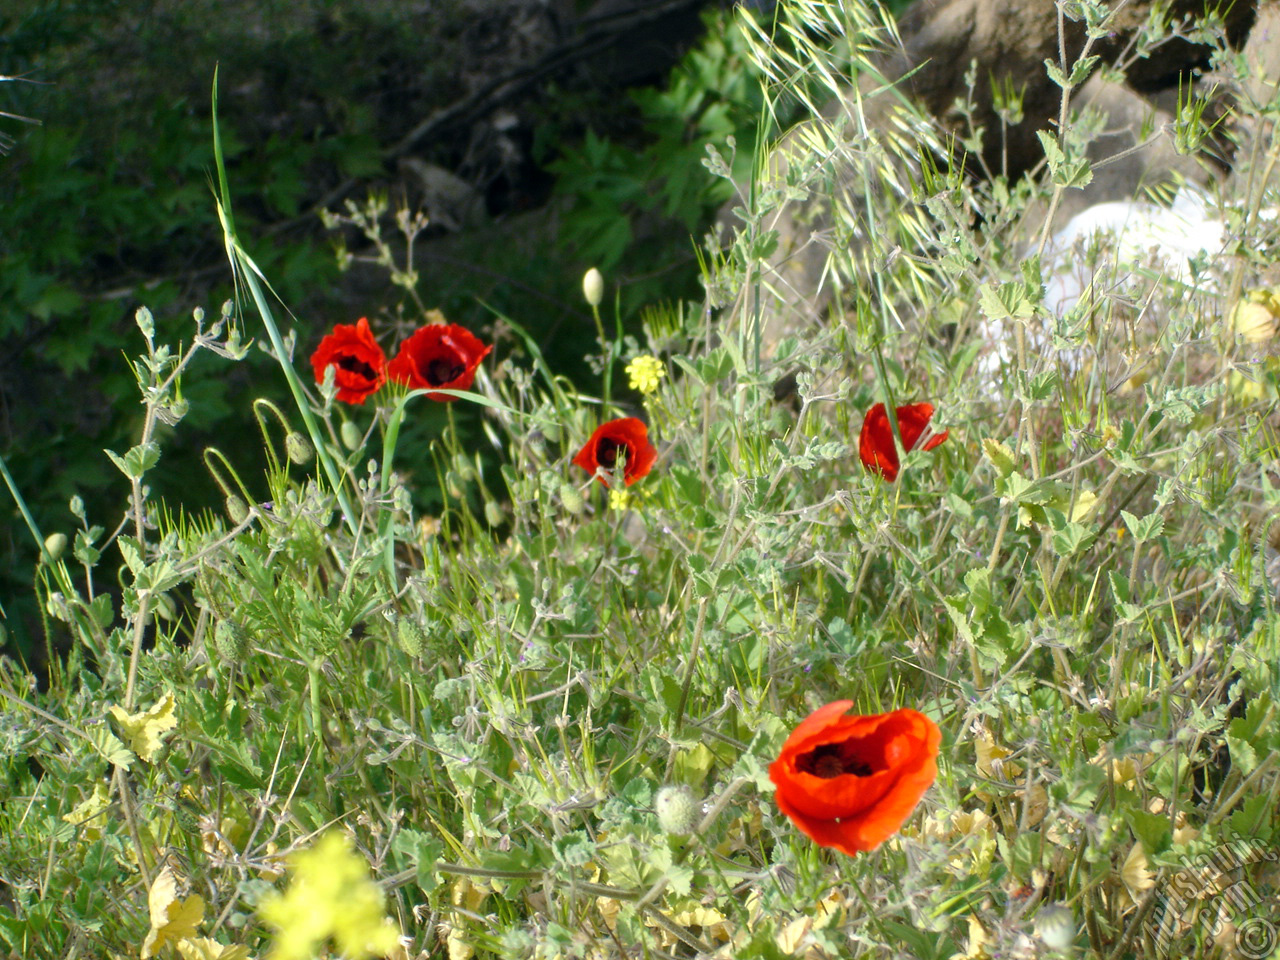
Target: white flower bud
x=593, y=287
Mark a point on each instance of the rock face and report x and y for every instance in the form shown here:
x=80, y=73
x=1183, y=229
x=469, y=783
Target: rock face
x=1012, y=39
x=1003, y=44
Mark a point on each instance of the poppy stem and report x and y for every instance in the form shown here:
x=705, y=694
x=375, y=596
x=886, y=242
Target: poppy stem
x=606, y=360
x=244, y=270
x=389, y=441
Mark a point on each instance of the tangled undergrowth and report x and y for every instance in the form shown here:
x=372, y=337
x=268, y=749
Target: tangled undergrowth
x=550, y=720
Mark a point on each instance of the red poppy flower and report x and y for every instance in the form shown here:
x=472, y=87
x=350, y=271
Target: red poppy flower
x=851, y=782
x=875, y=443
x=627, y=435
x=438, y=355
x=361, y=364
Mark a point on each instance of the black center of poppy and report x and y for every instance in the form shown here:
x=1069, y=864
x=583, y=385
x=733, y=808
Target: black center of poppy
x=607, y=452
x=358, y=367
x=830, y=760
x=441, y=371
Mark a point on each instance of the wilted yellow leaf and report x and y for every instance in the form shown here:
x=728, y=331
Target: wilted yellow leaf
x=609, y=909
x=990, y=759
x=714, y=924
x=171, y=919
x=978, y=940
x=90, y=814
x=1135, y=873
x=142, y=731
x=458, y=946
x=1037, y=802
x=202, y=948
x=1086, y=501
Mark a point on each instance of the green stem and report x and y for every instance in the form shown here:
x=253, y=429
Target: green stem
x=59, y=571
x=246, y=270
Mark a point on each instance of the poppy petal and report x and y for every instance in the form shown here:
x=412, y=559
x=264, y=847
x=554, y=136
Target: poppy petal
x=358, y=361
x=882, y=764
x=875, y=444
x=627, y=433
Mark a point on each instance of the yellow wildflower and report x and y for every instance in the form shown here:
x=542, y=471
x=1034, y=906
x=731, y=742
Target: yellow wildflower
x=645, y=373
x=331, y=896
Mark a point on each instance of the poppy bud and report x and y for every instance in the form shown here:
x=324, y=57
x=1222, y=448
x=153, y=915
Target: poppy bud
x=230, y=641
x=237, y=509
x=55, y=545
x=493, y=514
x=162, y=606
x=351, y=436
x=298, y=448
x=593, y=287
x=1056, y=927
x=411, y=637
x=464, y=468
x=453, y=485
x=676, y=809
x=571, y=498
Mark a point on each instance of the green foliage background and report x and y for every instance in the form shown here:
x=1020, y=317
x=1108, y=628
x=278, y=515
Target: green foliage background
x=107, y=203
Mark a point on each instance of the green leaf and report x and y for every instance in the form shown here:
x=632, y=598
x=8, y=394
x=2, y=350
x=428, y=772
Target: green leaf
x=137, y=461
x=1000, y=455
x=1069, y=538
x=110, y=746
x=1151, y=829
x=1008, y=301
x=1148, y=528
x=132, y=554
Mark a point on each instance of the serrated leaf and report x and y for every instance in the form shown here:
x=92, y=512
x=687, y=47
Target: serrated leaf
x=137, y=461
x=1147, y=528
x=1008, y=301
x=143, y=730
x=132, y=553
x=110, y=747
x=1244, y=758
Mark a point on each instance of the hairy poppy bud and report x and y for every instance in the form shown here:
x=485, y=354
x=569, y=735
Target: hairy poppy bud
x=453, y=485
x=162, y=606
x=676, y=809
x=1056, y=927
x=55, y=545
x=411, y=637
x=493, y=514
x=230, y=641
x=298, y=448
x=351, y=436
x=465, y=470
x=571, y=498
x=593, y=287
x=237, y=509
